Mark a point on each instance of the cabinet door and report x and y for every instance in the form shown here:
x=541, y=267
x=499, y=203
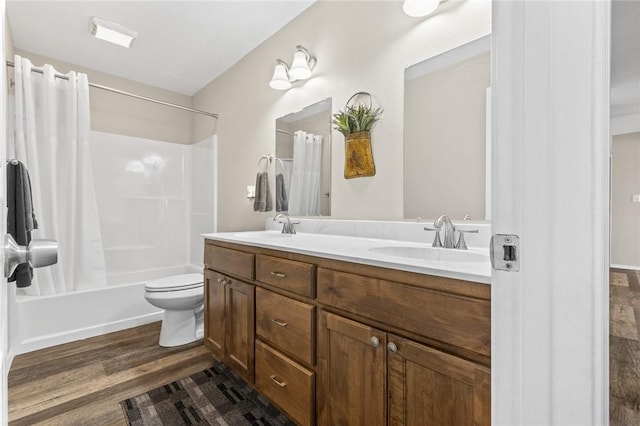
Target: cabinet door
x=352, y=378
x=214, y=300
x=240, y=328
x=429, y=387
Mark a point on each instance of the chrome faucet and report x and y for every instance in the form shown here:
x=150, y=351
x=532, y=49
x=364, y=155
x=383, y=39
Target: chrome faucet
x=288, y=226
x=449, y=231
x=449, y=234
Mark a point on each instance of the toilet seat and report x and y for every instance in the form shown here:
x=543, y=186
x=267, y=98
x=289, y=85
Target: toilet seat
x=175, y=283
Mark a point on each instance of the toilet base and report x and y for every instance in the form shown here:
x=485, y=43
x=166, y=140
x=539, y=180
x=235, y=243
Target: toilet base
x=181, y=327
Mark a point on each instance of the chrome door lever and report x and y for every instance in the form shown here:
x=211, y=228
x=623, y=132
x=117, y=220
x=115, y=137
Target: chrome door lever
x=38, y=253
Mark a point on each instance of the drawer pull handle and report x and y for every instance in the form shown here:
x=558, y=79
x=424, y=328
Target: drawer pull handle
x=277, y=382
x=280, y=322
x=278, y=274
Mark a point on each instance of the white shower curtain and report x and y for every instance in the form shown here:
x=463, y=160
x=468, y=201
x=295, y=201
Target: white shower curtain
x=304, y=199
x=51, y=137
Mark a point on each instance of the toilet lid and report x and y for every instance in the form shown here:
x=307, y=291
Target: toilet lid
x=175, y=282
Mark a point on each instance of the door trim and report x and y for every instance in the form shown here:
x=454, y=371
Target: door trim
x=550, y=151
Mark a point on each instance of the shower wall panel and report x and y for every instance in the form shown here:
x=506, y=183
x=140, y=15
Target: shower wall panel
x=144, y=189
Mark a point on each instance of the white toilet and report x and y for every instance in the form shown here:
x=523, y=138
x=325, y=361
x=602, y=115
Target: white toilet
x=182, y=298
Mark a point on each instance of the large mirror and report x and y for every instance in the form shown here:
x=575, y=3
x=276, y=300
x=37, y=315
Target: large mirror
x=303, y=161
x=446, y=130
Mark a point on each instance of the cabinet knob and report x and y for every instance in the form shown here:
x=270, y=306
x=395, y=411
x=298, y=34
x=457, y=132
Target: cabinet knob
x=375, y=342
x=392, y=347
x=220, y=280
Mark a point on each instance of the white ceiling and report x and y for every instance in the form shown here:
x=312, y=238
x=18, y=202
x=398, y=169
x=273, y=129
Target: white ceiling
x=181, y=45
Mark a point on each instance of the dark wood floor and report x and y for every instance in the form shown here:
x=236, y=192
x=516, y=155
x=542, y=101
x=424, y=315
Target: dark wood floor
x=81, y=383
x=624, y=348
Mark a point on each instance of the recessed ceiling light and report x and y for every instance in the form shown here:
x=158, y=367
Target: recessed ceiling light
x=111, y=32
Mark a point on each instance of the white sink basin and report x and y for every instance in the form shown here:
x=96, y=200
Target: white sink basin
x=262, y=235
x=430, y=253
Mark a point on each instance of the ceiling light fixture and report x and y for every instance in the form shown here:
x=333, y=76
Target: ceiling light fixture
x=420, y=8
x=301, y=67
x=111, y=32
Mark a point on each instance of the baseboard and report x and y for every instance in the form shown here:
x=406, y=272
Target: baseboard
x=42, y=342
x=630, y=267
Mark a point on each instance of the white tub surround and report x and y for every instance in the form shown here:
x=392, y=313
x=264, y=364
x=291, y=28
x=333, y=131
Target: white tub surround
x=470, y=265
x=41, y=322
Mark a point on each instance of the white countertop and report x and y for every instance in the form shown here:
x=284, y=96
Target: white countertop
x=372, y=251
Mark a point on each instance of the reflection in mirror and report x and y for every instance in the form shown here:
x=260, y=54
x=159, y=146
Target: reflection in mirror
x=446, y=130
x=303, y=161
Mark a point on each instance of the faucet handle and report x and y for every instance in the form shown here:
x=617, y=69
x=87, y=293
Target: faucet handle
x=436, y=240
x=462, y=244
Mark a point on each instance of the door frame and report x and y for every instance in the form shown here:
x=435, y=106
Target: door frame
x=550, y=186
x=5, y=360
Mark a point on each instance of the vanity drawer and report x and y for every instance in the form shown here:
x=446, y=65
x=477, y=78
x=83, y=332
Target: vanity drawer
x=456, y=320
x=290, y=275
x=289, y=385
x=286, y=323
x=227, y=260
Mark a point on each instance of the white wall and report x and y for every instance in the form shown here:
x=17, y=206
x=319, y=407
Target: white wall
x=360, y=46
x=625, y=213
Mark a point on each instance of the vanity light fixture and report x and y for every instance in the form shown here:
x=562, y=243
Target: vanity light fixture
x=420, y=8
x=302, y=64
x=280, y=79
x=111, y=32
x=301, y=67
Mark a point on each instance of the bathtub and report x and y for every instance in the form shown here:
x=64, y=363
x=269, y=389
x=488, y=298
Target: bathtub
x=38, y=322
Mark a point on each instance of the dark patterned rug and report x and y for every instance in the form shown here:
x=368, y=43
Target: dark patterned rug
x=215, y=396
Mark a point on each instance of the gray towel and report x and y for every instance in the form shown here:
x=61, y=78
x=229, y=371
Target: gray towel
x=20, y=217
x=263, y=201
x=282, y=200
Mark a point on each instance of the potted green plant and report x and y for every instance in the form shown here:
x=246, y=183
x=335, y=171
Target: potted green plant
x=355, y=123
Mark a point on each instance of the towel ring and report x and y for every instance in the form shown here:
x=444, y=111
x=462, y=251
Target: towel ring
x=281, y=165
x=265, y=157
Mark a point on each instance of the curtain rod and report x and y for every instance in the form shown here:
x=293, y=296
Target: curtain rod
x=283, y=131
x=133, y=95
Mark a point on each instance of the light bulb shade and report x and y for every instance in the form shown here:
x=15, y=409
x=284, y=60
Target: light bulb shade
x=420, y=8
x=280, y=79
x=300, y=67
x=111, y=32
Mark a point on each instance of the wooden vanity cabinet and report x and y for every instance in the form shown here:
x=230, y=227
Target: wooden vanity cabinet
x=229, y=326
x=351, y=373
x=285, y=336
x=367, y=376
x=427, y=386
x=404, y=382
x=338, y=343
